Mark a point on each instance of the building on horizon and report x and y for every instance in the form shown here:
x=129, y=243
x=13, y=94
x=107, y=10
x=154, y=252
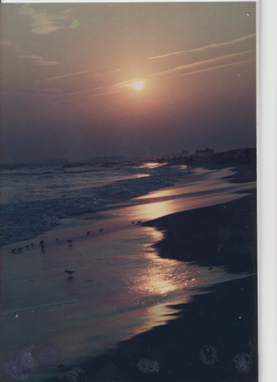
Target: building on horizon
x=207, y=151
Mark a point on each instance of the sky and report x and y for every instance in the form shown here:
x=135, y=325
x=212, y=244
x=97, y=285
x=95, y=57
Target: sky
x=133, y=79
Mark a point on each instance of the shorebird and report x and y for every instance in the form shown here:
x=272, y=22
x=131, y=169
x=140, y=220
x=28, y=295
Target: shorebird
x=88, y=233
x=133, y=222
x=69, y=272
x=139, y=221
x=27, y=246
x=41, y=243
x=57, y=239
x=32, y=244
x=101, y=230
x=13, y=250
x=70, y=242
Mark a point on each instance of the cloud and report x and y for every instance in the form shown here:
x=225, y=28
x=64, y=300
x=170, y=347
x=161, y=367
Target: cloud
x=203, y=48
x=213, y=68
x=107, y=90
x=200, y=63
x=84, y=91
x=66, y=75
x=6, y=42
x=42, y=22
x=39, y=60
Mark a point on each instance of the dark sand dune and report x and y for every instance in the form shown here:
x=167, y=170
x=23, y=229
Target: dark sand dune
x=224, y=319
x=224, y=234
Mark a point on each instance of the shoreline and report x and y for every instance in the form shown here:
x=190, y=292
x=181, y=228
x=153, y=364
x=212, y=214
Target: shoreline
x=209, y=316
x=219, y=229
x=225, y=316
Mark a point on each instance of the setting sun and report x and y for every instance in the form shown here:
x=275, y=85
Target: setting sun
x=138, y=85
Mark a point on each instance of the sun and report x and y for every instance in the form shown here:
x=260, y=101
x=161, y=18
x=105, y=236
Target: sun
x=138, y=85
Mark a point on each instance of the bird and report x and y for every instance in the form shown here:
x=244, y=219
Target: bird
x=88, y=233
x=133, y=222
x=41, y=243
x=70, y=243
x=101, y=230
x=69, y=272
x=139, y=221
x=13, y=250
x=27, y=246
x=57, y=239
x=32, y=244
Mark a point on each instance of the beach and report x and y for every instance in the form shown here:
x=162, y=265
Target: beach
x=185, y=287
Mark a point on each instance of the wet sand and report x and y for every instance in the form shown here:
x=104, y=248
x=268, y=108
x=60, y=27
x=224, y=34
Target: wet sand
x=224, y=316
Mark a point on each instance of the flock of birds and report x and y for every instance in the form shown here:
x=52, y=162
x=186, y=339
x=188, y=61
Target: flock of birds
x=42, y=244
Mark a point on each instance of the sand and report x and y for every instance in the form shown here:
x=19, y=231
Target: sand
x=37, y=296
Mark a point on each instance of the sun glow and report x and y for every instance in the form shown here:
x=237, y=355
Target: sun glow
x=138, y=85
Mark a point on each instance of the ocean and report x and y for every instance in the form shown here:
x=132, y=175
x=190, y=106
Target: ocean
x=34, y=198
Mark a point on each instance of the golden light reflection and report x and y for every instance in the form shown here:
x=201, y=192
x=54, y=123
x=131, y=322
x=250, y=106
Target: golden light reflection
x=160, y=276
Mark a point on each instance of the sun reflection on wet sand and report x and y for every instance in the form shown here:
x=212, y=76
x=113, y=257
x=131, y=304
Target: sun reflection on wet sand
x=120, y=286
x=129, y=292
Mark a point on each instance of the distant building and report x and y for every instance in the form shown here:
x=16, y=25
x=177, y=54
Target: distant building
x=185, y=152
x=207, y=151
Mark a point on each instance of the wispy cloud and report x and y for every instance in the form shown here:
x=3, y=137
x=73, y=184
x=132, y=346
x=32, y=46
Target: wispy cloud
x=41, y=22
x=66, y=75
x=6, y=42
x=84, y=91
x=39, y=60
x=107, y=90
x=204, y=48
x=105, y=93
x=200, y=63
x=213, y=68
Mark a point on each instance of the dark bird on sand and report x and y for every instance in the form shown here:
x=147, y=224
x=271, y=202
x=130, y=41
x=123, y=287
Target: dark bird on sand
x=139, y=221
x=69, y=272
x=70, y=242
x=133, y=222
x=88, y=233
x=57, y=239
x=41, y=243
x=101, y=230
x=32, y=244
x=27, y=246
x=13, y=250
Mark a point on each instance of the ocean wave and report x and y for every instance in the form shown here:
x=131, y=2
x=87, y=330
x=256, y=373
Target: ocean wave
x=27, y=219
